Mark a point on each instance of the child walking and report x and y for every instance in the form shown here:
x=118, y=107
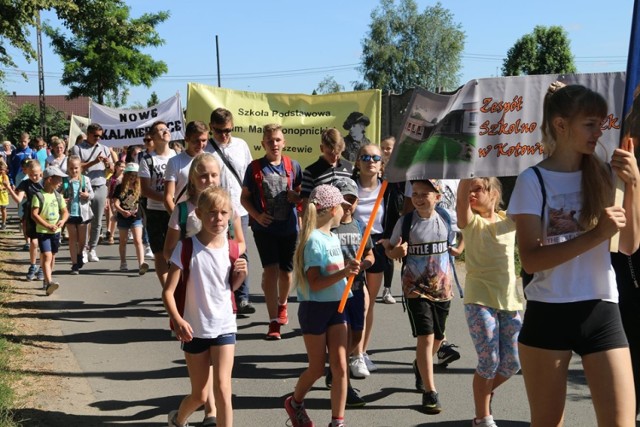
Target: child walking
x=207, y=326
x=564, y=220
x=78, y=194
x=4, y=193
x=492, y=304
x=111, y=216
x=49, y=211
x=126, y=202
x=321, y=274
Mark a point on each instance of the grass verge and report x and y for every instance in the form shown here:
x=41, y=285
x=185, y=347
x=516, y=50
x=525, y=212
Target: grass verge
x=8, y=351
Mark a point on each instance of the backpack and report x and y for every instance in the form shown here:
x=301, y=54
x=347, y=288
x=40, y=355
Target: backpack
x=406, y=228
x=66, y=187
x=528, y=277
x=258, y=177
x=185, y=258
x=40, y=197
x=183, y=214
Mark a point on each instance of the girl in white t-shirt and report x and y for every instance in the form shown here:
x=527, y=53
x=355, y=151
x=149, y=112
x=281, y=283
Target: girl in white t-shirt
x=207, y=326
x=492, y=304
x=563, y=239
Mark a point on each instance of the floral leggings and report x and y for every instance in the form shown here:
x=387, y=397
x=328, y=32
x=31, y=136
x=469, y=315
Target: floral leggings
x=495, y=335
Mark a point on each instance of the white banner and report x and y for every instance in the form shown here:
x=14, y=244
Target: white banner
x=490, y=127
x=77, y=126
x=128, y=127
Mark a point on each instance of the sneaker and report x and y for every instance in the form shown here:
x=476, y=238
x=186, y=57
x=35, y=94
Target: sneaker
x=430, y=402
x=110, y=241
x=123, y=266
x=274, y=331
x=51, y=287
x=484, y=422
x=370, y=366
x=337, y=423
x=3, y=226
x=26, y=247
x=144, y=267
x=74, y=269
x=92, y=256
x=353, y=398
x=209, y=422
x=298, y=416
x=283, y=317
x=40, y=274
x=148, y=253
x=358, y=368
x=447, y=354
x=172, y=420
x=245, y=307
x=387, y=298
x=328, y=379
x=419, y=383
x=31, y=274
x=85, y=257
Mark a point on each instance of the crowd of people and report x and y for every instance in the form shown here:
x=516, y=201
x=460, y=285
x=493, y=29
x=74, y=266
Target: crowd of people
x=190, y=211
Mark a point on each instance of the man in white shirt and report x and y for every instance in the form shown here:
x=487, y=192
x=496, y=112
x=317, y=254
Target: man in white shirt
x=151, y=173
x=235, y=157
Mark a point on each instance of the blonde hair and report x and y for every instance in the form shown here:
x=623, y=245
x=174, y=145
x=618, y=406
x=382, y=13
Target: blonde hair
x=214, y=197
x=131, y=184
x=196, y=169
x=571, y=102
x=494, y=188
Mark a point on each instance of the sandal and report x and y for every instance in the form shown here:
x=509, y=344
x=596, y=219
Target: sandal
x=209, y=422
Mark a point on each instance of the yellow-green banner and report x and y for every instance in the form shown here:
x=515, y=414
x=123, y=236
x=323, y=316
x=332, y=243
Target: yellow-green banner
x=303, y=117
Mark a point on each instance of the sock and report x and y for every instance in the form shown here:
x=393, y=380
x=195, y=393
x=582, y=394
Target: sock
x=295, y=404
x=283, y=305
x=335, y=421
x=273, y=320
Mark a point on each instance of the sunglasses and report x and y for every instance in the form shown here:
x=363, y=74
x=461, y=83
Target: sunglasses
x=222, y=131
x=368, y=158
x=147, y=140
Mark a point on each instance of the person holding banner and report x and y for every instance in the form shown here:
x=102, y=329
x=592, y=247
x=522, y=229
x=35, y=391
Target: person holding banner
x=564, y=220
x=235, y=157
x=95, y=160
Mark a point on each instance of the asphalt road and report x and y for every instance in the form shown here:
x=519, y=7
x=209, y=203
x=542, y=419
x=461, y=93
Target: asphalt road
x=128, y=370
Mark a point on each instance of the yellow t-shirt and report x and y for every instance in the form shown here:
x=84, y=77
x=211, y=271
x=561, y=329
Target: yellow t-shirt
x=489, y=260
x=49, y=211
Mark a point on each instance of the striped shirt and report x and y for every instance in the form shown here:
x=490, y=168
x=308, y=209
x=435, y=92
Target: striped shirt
x=321, y=172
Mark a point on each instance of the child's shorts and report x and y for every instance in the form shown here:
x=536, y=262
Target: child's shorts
x=128, y=223
x=427, y=317
x=584, y=327
x=30, y=227
x=380, y=257
x=77, y=220
x=355, y=308
x=276, y=249
x=198, y=345
x=49, y=242
x=316, y=317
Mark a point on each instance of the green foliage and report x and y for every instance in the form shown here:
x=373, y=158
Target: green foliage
x=544, y=51
x=5, y=112
x=27, y=119
x=102, y=55
x=153, y=100
x=16, y=19
x=405, y=48
x=328, y=85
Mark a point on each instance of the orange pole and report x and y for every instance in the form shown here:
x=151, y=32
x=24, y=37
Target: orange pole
x=365, y=237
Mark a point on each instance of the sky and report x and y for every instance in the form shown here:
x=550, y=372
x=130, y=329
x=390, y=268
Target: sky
x=289, y=46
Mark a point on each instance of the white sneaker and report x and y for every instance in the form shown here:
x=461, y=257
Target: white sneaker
x=85, y=256
x=387, y=298
x=148, y=253
x=370, y=366
x=484, y=422
x=123, y=267
x=358, y=367
x=92, y=256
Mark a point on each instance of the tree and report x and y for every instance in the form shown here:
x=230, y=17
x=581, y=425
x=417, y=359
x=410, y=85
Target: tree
x=328, y=85
x=27, y=119
x=405, y=48
x=153, y=99
x=102, y=54
x=5, y=112
x=545, y=51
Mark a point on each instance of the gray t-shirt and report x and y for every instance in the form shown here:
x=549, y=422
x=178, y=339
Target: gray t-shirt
x=89, y=153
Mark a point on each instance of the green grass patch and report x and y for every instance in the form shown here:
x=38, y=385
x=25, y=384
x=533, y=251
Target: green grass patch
x=8, y=351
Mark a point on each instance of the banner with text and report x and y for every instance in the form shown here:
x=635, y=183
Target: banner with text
x=303, y=117
x=490, y=127
x=128, y=127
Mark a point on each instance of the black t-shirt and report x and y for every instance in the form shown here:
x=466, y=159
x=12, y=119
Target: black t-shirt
x=128, y=202
x=30, y=189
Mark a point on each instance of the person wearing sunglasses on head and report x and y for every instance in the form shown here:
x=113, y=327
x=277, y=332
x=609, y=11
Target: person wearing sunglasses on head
x=235, y=157
x=95, y=160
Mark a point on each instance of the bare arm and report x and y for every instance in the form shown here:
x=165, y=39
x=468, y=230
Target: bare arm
x=183, y=330
x=148, y=192
x=263, y=218
x=169, y=192
x=170, y=241
x=463, y=209
x=318, y=282
x=239, y=234
x=623, y=162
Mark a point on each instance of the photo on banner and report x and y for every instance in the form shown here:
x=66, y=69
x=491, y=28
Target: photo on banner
x=303, y=117
x=490, y=127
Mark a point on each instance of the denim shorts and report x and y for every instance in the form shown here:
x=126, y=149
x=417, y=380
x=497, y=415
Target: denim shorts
x=49, y=242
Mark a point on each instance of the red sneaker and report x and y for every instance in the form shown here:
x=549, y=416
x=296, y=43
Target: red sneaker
x=274, y=331
x=283, y=317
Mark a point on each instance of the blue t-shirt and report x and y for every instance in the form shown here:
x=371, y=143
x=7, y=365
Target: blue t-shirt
x=275, y=185
x=324, y=251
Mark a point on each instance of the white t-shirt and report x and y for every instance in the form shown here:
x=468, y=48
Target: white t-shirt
x=588, y=276
x=61, y=163
x=178, y=172
x=159, y=166
x=238, y=154
x=207, y=305
x=366, y=201
x=193, y=222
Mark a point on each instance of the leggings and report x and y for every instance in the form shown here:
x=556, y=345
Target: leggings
x=495, y=336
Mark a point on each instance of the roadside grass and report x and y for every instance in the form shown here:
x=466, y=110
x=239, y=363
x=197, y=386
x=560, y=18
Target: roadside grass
x=8, y=351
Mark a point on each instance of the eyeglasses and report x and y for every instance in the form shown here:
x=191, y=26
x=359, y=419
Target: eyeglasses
x=146, y=140
x=368, y=158
x=96, y=136
x=223, y=131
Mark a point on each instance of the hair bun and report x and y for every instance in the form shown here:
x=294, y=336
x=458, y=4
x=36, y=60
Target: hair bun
x=555, y=86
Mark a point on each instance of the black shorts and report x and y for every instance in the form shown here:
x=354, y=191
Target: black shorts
x=157, y=224
x=427, y=317
x=584, y=327
x=198, y=345
x=381, y=259
x=355, y=309
x=276, y=249
x=77, y=220
x=30, y=227
x=316, y=317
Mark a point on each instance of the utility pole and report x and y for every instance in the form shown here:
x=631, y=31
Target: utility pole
x=43, y=121
x=218, y=60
